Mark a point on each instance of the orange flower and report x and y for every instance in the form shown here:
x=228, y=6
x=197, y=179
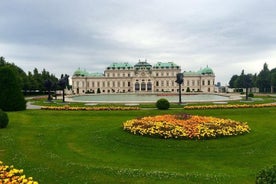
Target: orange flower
x=191, y=127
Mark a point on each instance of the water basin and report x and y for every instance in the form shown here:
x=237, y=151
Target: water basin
x=144, y=98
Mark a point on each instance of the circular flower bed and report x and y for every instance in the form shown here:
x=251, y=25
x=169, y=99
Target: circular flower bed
x=185, y=126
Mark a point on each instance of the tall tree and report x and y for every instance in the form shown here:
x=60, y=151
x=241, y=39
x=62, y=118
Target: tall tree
x=244, y=81
x=263, y=80
x=232, y=81
x=11, y=97
x=273, y=80
x=19, y=73
x=247, y=83
x=239, y=80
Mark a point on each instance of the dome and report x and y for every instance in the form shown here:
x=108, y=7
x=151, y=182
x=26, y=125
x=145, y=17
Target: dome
x=206, y=70
x=143, y=65
x=80, y=72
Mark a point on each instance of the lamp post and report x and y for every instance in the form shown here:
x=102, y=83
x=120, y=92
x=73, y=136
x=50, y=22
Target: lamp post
x=179, y=80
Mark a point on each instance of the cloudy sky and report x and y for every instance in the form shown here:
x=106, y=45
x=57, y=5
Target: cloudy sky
x=63, y=35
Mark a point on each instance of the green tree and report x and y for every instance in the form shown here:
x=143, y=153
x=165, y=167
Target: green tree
x=263, y=80
x=11, y=97
x=20, y=74
x=244, y=81
x=247, y=83
x=32, y=81
x=232, y=81
x=273, y=80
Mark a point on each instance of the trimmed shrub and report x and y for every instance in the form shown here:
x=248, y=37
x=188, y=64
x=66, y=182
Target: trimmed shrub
x=267, y=175
x=4, y=120
x=163, y=104
x=251, y=95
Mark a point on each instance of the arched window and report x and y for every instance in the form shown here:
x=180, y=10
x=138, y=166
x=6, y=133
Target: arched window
x=149, y=86
x=143, y=86
x=137, y=86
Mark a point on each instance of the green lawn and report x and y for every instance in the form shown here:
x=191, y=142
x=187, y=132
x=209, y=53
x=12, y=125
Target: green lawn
x=91, y=147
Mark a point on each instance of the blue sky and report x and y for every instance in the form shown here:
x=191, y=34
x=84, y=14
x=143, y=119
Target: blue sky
x=64, y=35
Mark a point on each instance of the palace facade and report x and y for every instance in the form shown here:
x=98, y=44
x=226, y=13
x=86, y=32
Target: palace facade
x=142, y=77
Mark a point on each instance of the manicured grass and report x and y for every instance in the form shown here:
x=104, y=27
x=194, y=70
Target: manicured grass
x=91, y=147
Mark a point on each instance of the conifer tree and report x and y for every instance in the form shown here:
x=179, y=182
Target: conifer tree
x=11, y=97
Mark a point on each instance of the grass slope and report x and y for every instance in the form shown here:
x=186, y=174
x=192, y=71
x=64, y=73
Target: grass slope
x=91, y=147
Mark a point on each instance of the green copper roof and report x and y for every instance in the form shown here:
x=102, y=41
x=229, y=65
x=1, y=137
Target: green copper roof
x=95, y=74
x=191, y=73
x=142, y=64
x=80, y=72
x=124, y=65
x=84, y=73
x=165, y=65
x=206, y=70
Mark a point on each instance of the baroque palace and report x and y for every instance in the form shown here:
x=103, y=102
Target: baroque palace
x=142, y=77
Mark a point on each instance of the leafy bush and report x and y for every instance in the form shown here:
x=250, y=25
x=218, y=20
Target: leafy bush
x=4, y=120
x=267, y=175
x=163, y=104
x=251, y=95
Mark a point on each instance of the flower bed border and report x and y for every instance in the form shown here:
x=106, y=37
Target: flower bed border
x=229, y=106
x=68, y=108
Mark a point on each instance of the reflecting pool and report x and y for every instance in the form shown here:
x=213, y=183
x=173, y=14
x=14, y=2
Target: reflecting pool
x=144, y=98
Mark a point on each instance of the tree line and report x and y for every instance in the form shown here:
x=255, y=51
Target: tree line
x=33, y=82
x=265, y=80
x=15, y=83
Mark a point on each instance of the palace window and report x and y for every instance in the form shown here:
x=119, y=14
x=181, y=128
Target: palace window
x=143, y=86
x=149, y=86
x=137, y=86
